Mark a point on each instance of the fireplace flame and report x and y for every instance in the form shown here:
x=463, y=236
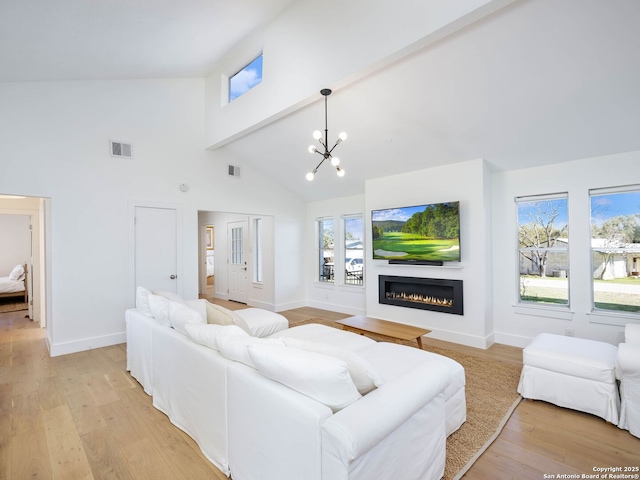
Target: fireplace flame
x=419, y=298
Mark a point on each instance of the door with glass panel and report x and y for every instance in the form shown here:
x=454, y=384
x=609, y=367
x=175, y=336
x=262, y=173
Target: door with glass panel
x=238, y=273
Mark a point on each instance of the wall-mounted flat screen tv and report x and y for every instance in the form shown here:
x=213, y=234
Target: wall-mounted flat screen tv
x=422, y=233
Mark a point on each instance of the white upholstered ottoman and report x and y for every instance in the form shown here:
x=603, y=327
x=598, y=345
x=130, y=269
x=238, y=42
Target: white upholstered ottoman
x=573, y=373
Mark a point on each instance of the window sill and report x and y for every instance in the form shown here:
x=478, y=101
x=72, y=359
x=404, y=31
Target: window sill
x=352, y=288
x=613, y=318
x=558, y=313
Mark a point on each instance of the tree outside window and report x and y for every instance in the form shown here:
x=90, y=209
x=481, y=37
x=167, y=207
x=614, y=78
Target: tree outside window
x=543, y=249
x=615, y=249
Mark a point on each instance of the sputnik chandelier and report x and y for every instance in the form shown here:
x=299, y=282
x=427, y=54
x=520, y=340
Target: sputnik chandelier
x=326, y=155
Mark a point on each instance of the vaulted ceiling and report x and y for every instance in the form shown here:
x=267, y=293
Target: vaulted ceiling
x=537, y=82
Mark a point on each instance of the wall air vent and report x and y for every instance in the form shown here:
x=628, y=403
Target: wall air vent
x=234, y=171
x=121, y=150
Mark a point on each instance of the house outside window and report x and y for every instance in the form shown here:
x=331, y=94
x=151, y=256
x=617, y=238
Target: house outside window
x=615, y=249
x=326, y=251
x=543, y=250
x=353, y=249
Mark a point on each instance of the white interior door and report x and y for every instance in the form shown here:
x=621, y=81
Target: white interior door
x=156, y=248
x=238, y=276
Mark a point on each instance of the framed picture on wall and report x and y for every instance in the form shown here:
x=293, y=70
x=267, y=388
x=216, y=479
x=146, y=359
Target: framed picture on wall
x=209, y=238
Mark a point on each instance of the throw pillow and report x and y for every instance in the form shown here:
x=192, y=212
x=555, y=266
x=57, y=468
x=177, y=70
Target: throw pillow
x=362, y=373
x=159, y=307
x=207, y=334
x=220, y=315
x=234, y=347
x=142, y=301
x=181, y=315
x=318, y=376
x=17, y=273
x=169, y=295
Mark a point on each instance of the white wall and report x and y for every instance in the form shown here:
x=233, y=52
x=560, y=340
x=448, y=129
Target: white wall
x=464, y=182
x=54, y=143
x=517, y=326
x=303, y=55
x=332, y=296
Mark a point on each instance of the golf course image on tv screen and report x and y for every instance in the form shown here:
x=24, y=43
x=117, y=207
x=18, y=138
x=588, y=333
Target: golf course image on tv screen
x=418, y=233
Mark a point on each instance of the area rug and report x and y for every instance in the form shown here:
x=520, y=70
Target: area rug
x=491, y=399
x=12, y=307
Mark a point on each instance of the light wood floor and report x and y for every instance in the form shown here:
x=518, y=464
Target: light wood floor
x=82, y=416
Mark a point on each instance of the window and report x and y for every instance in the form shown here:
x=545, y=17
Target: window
x=245, y=79
x=543, y=249
x=353, y=250
x=615, y=248
x=257, y=250
x=325, y=250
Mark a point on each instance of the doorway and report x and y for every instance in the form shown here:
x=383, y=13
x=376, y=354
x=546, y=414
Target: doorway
x=31, y=215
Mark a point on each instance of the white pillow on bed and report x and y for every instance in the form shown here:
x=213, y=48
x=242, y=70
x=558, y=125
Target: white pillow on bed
x=17, y=273
x=323, y=378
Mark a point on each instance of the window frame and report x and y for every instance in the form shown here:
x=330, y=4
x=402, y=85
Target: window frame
x=257, y=251
x=230, y=78
x=596, y=311
x=527, y=306
x=320, y=268
x=345, y=218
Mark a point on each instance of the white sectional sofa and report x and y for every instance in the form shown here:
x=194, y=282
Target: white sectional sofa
x=277, y=407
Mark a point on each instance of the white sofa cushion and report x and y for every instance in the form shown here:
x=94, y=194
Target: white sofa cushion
x=259, y=322
x=207, y=334
x=200, y=305
x=142, y=301
x=362, y=373
x=318, y=376
x=159, y=307
x=234, y=347
x=169, y=295
x=181, y=314
x=316, y=332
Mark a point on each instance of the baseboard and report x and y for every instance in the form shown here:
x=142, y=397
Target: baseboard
x=281, y=307
x=337, y=308
x=263, y=305
x=58, y=349
x=512, y=340
x=463, y=338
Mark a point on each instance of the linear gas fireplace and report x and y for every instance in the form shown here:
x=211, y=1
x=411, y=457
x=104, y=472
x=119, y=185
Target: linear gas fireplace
x=425, y=293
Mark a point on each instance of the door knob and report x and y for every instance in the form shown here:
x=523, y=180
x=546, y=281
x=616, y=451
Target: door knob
x=172, y=277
